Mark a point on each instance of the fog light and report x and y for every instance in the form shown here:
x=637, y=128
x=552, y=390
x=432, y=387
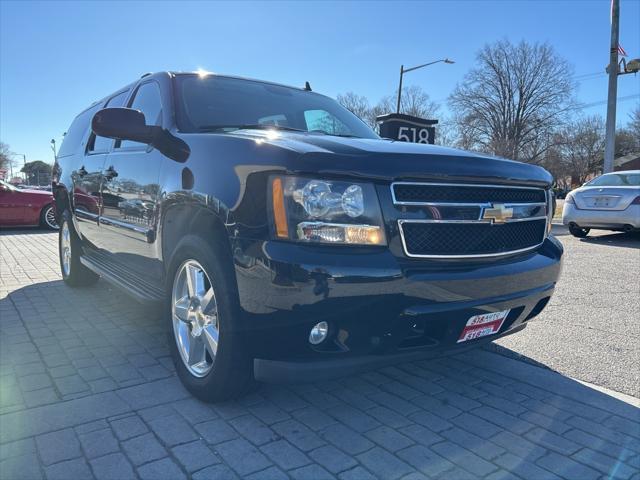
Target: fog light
x=318, y=333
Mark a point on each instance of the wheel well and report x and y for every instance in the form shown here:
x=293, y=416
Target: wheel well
x=60, y=201
x=182, y=220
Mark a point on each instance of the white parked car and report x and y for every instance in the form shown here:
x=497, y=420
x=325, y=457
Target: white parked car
x=608, y=202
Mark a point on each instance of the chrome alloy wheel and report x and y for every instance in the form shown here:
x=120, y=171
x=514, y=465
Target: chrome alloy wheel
x=50, y=218
x=65, y=248
x=195, y=318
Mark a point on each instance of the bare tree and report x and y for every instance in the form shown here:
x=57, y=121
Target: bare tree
x=555, y=163
x=415, y=101
x=513, y=100
x=580, y=145
x=447, y=133
x=356, y=104
x=384, y=106
x=634, y=123
x=5, y=156
x=626, y=142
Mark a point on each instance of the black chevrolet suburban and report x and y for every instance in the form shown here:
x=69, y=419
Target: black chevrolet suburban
x=289, y=242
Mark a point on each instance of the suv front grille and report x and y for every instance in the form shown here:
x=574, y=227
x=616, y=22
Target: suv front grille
x=477, y=239
x=454, y=220
x=408, y=193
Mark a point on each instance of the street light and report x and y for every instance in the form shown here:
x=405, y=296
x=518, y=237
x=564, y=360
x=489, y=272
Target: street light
x=405, y=70
x=24, y=161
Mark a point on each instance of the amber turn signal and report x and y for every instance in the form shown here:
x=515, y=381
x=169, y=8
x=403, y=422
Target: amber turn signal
x=279, y=214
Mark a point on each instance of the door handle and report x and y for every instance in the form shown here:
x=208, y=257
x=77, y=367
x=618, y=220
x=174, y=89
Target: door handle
x=82, y=172
x=110, y=173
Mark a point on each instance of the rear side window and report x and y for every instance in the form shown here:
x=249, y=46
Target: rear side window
x=102, y=144
x=76, y=132
x=616, y=180
x=147, y=99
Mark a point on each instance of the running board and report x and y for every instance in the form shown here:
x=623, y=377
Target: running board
x=122, y=278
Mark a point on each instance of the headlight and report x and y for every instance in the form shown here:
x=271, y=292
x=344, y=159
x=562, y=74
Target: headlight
x=325, y=211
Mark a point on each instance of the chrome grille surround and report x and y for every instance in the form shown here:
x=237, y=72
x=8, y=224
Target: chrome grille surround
x=538, y=210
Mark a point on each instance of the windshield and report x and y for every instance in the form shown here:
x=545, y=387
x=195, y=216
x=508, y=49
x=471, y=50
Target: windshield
x=214, y=103
x=616, y=180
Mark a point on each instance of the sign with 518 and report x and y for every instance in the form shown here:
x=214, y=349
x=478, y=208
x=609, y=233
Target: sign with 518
x=414, y=134
x=407, y=128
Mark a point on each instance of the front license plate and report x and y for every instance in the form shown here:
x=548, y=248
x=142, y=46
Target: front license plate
x=482, y=325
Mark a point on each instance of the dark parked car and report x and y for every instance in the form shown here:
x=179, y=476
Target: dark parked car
x=287, y=240
x=23, y=207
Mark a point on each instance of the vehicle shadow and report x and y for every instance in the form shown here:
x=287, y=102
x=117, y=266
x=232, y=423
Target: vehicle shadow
x=617, y=239
x=24, y=230
x=507, y=352
x=468, y=415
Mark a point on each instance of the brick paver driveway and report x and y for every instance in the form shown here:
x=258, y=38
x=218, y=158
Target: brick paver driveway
x=87, y=390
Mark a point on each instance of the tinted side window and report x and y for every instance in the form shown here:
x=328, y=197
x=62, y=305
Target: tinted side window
x=76, y=132
x=102, y=144
x=147, y=99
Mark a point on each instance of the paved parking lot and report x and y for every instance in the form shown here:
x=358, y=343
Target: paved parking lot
x=591, y=330
x=87, y=390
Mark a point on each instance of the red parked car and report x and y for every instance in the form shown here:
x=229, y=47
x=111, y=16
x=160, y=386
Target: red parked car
x=22, y=208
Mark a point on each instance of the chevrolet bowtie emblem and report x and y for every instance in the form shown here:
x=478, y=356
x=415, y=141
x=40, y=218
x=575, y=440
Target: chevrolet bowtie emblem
x=498, y=213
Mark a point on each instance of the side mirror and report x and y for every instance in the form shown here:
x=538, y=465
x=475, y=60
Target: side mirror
x=129, y=124
x=123, y=124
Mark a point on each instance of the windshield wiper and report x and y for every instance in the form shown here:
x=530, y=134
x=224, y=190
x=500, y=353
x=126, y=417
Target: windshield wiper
x=249, y=126
x=343, y=135
x=265, y=126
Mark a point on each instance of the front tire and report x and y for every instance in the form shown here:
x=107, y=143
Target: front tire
x=578, y=232
x=74, y=273
x=211, y=360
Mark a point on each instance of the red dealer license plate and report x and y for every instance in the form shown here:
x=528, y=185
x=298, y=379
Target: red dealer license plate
x=482, y=325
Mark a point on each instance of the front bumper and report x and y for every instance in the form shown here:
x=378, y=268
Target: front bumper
x=615, y=219
x=278, y=371
x=381, y=308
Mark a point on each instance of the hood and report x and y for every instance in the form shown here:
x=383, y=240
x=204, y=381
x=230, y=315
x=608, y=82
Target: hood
x=393, y=160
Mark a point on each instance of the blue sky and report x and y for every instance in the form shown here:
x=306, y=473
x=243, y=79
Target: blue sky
x=58, y=57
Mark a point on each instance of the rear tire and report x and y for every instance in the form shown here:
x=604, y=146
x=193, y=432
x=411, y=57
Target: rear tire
x=578, y=232
x=211, y=360
x=74, y=273
x=48, y=218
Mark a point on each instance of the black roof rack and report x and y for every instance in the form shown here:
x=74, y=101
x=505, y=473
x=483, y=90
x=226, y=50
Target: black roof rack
x=146, y=74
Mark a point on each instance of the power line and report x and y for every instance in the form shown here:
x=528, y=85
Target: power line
x=603, y=102
x=594, y=77
x=584, y=76
x=589, y=75
x=577, y=107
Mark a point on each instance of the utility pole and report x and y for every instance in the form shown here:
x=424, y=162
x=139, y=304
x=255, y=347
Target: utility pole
x=612, y=70
x=400, y=88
